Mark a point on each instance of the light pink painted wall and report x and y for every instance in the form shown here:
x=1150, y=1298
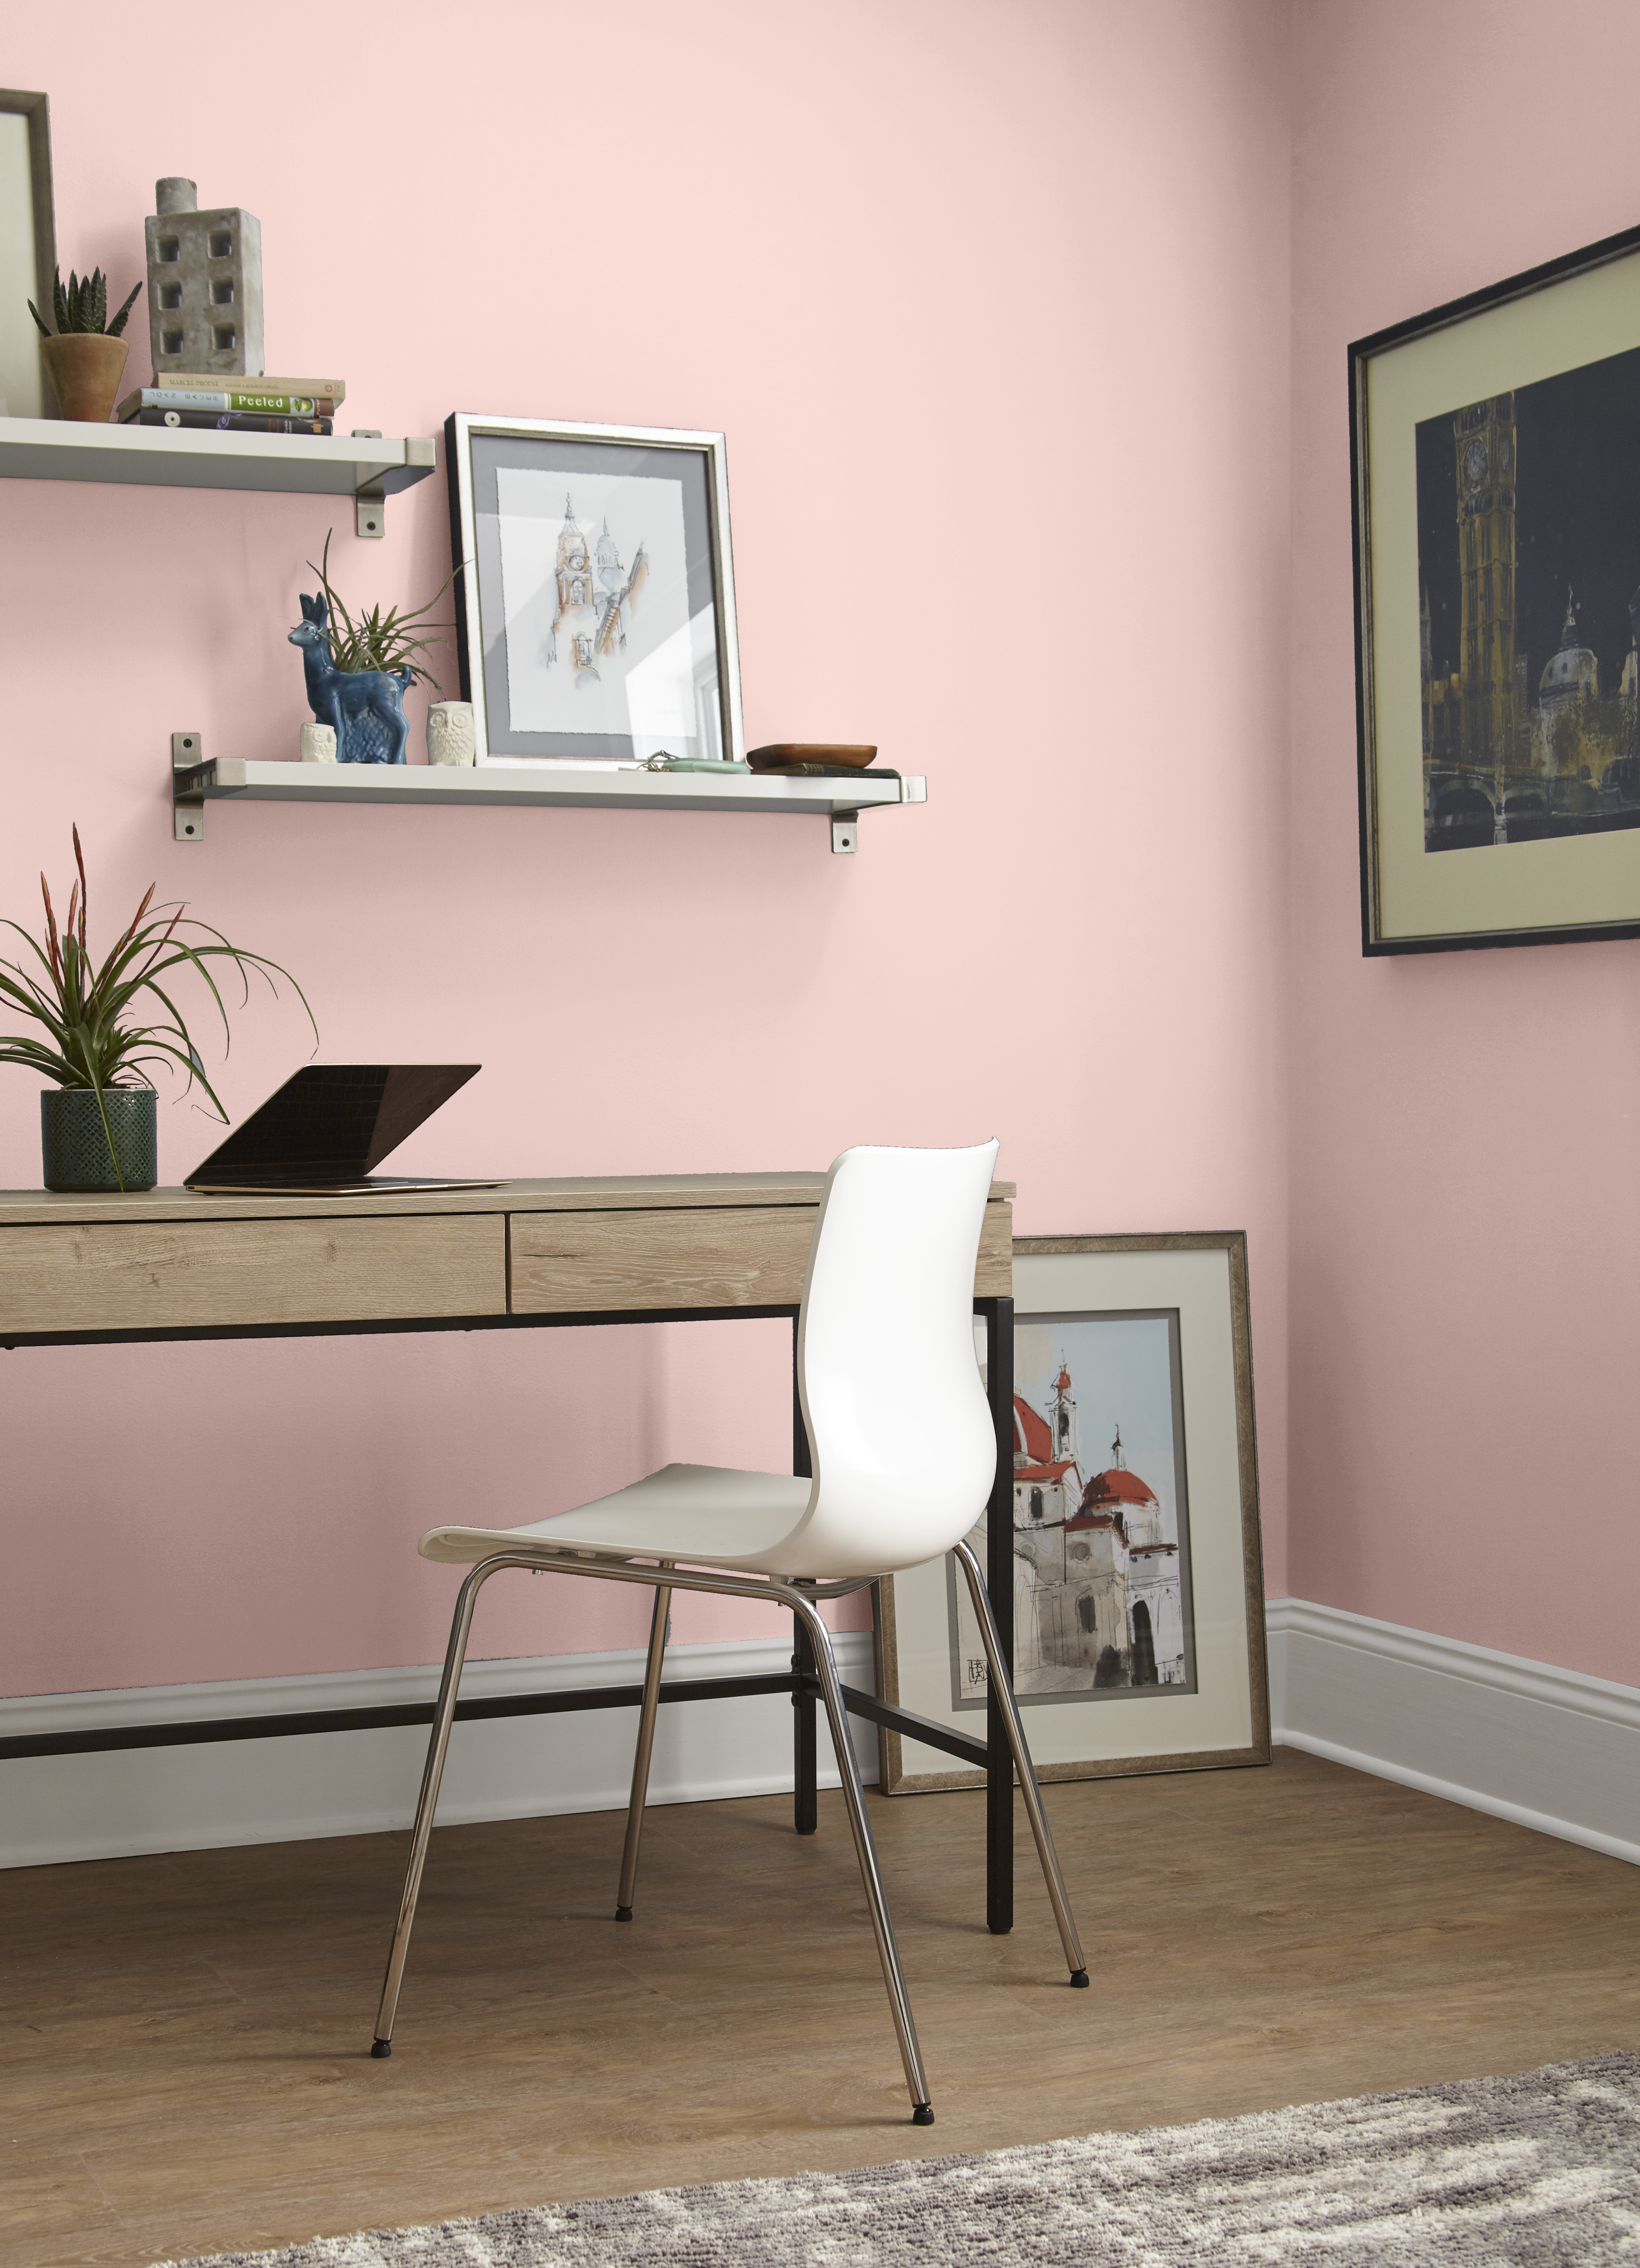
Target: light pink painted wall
x=992, y=299
x=1466, y=1276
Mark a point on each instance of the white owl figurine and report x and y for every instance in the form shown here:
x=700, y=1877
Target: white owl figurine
x=451, y=739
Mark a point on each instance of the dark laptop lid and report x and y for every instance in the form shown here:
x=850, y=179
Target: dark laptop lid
x=332, y=1122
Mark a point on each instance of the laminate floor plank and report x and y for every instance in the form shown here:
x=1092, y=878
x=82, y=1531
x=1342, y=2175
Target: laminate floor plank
x=187, y=2067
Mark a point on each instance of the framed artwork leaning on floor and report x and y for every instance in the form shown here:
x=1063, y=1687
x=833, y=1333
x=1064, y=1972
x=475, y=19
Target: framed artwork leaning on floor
x=1494, y=448
x=1138, y=1581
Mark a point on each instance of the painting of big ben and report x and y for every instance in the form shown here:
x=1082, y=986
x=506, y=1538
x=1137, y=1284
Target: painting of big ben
x=1529, y=574
x=1495, y=515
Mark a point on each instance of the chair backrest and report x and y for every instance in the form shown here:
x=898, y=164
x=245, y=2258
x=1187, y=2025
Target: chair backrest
x=899, y=1429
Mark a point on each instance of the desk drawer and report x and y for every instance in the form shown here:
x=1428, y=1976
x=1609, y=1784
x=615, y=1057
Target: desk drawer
x=744, y=1256
x=199, y=1276
x=594, y=1263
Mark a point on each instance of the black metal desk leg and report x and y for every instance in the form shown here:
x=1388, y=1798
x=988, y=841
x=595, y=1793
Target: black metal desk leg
x=805, y=1805
x=998, y=1314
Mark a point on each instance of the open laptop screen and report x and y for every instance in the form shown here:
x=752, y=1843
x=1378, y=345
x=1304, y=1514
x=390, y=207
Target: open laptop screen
x=330, y=1122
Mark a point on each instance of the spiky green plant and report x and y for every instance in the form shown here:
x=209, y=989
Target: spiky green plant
x=84, y=305
x=378, y=641
x=94, y=1039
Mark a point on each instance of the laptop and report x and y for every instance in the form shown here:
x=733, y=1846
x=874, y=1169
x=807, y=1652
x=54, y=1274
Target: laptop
x=327, y=1130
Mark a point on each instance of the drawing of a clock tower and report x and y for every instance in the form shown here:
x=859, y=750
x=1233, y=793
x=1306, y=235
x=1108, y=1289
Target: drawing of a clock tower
x=1485, y=438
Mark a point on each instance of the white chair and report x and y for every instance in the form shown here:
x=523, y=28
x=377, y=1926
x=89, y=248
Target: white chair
x=903, y=1455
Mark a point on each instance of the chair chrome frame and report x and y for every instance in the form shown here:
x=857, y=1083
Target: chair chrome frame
x=804, y=1601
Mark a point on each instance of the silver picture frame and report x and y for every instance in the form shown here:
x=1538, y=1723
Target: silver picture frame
x=28, y=249
x=527, y=655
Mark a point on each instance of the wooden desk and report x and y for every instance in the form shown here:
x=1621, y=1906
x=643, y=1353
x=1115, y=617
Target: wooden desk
x=167, y=1264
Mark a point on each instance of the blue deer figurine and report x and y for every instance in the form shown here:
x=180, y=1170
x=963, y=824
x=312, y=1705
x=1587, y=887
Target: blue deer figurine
x=365, y=708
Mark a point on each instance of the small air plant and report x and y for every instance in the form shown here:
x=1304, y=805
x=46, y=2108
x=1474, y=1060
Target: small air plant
x=378, y=640
x=83, y=306
x=91, y=1037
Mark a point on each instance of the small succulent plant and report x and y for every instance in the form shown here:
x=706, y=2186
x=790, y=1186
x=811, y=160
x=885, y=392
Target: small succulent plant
x=84, y=305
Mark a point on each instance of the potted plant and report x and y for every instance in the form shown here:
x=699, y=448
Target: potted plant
x=97, y=1118
x=85, y=355
x=358, y=671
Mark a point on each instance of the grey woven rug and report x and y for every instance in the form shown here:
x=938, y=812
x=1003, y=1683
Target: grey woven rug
x=1541, y=2168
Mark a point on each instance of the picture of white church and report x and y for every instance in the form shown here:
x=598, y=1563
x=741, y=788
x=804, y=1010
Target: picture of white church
x=1098, y=1600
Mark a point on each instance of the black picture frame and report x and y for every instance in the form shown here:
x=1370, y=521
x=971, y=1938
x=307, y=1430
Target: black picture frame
x=1588, y=303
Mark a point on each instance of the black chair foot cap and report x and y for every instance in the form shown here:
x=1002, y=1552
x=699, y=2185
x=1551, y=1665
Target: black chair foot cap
x=623, y=1913
x=1079, y=1977
x=379, y=2048
x=922, y=2115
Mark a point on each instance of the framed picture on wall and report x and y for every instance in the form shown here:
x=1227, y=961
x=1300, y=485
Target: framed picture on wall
x=1496, y=463
x=1138, y=1581
x=28, y=250
x=596, y=623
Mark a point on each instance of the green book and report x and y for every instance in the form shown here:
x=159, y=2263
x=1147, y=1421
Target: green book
x=247, y=400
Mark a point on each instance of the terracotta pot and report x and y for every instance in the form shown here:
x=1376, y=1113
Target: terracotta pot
x=85, y=368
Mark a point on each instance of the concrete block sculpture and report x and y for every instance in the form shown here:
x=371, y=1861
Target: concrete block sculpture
x=204, y=285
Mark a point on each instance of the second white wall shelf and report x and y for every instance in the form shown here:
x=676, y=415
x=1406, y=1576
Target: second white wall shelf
x=231, y=778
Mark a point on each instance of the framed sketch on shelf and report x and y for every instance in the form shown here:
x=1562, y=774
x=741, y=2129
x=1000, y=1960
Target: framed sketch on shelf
x=28, y=251
x=1138, y=1584
x=1496, y=463
x=595, y=623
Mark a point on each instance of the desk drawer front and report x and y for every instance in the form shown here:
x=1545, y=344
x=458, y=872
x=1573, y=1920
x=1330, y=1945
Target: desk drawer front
x=591, y=1262
x=749, y=1256
x=182, y=1274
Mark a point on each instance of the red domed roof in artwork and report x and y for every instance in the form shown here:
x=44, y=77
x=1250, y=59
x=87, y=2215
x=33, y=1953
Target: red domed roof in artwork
x=1118, y=1485
x=1032, y=1436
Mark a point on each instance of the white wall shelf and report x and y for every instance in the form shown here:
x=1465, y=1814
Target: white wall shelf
x=194, y=783
x=366, y=468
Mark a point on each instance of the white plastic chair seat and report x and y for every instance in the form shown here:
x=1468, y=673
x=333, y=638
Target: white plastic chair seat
x=698, y=1515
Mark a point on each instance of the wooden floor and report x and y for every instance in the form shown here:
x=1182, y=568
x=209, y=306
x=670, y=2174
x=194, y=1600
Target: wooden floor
x=186, y=2066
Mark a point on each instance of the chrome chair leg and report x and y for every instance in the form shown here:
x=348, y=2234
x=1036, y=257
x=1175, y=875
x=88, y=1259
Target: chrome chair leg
x=854, y=1797
x=443, y=1716
x=647, y=1715
x=1001, y=1685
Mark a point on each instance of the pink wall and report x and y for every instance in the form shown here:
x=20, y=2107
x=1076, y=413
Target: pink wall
x=1466, y=1269
x=992, y=303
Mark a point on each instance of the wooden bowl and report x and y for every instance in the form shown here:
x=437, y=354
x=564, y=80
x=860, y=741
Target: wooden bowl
x=779, y=755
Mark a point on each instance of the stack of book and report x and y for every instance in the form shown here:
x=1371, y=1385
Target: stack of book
x=213, y=402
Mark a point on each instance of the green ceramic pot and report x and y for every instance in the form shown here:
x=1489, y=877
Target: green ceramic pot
x=74, y=1144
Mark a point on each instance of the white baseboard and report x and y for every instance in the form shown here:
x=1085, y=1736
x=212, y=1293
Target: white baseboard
x=113, y=1803
x=1551, y=1748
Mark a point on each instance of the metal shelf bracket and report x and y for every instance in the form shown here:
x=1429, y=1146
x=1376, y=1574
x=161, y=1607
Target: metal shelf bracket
x=845, y=831
x=370, y=506
x=187, y=806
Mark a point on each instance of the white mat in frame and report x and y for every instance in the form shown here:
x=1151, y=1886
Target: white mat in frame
x=1217, y=1713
